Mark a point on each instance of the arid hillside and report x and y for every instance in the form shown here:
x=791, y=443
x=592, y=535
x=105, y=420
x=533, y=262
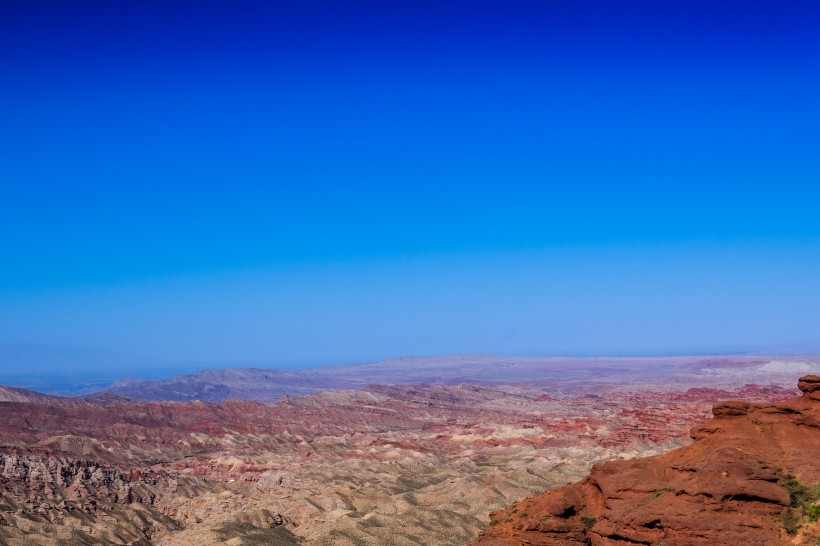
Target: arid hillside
x=386, y=465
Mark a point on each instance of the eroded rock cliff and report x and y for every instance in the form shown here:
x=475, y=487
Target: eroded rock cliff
x=745, y=480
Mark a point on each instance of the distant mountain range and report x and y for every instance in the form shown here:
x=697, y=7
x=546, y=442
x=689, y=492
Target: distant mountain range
x=566, y=375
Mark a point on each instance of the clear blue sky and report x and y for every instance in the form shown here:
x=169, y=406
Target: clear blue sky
x=310, y=182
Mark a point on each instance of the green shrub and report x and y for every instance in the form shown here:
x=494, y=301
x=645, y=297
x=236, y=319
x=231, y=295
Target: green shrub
x=802, y=502
x=797, y=491
x=588, y=521
x=791, y=521
x=813, y=512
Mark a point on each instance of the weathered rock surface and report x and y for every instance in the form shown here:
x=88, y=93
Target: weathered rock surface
x=725, y=488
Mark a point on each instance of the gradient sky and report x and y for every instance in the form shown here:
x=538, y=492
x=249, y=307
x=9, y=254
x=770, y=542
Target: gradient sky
x=313, y=182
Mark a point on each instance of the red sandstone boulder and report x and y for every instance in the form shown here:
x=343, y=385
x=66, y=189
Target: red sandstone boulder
x=810, y=385
x=732, y=408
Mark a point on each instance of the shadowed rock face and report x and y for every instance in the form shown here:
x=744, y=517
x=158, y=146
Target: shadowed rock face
x=725, y=488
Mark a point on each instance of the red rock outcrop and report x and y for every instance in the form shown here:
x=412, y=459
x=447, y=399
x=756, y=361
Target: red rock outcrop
x=725, y=488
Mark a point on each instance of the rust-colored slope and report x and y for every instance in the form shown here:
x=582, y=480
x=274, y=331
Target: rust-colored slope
x=722, y=489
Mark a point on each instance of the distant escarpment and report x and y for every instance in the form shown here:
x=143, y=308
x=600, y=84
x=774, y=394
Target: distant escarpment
x=749, y=478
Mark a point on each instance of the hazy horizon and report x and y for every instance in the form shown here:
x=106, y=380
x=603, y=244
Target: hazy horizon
x=28, y=358
x=76, y=371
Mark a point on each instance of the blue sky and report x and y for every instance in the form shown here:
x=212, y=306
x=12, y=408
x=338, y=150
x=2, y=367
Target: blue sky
x=312, y=182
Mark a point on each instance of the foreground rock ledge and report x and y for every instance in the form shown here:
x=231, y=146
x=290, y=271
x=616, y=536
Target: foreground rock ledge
x=722, y=489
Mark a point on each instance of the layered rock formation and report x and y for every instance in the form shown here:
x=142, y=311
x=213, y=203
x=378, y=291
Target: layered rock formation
x=745, y=480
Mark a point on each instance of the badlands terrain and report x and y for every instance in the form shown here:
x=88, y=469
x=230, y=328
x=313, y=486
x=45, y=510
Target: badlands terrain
x=420, y=454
